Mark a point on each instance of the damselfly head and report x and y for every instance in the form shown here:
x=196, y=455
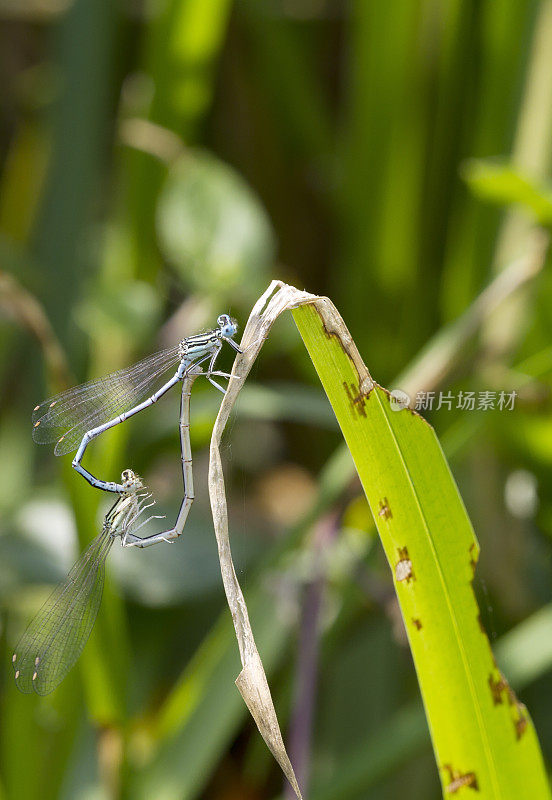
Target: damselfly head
x=228, y=326
x=131, y=481
x=126, y=516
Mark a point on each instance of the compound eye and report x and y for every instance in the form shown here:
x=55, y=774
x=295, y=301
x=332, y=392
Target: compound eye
x=223, y=320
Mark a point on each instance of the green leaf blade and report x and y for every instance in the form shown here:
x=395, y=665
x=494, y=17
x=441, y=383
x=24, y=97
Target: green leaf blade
x=482, y=736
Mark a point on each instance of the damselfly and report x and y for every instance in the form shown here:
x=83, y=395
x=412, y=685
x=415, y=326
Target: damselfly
x=56, y=636
x=75, y=417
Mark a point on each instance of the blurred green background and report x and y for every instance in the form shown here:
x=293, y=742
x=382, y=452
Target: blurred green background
x=161, y=162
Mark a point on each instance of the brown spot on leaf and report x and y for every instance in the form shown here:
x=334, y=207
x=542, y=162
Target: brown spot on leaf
x=497, y=686
x=521, y=726
x=417, y=623
x=384, y=510
x=460, y=780
x=519, y=711
x=403, y=567
x=502, y=691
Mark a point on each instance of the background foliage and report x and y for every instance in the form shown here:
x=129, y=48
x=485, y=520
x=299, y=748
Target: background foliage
x=160, y=163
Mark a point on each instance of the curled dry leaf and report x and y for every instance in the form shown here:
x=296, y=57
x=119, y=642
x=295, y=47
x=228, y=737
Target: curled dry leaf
x=251, y=681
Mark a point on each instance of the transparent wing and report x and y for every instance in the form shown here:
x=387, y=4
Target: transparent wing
x=66, y=417
x=56, y=636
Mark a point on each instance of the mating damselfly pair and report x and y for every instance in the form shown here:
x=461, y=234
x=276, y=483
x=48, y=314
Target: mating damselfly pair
x=56, y=636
